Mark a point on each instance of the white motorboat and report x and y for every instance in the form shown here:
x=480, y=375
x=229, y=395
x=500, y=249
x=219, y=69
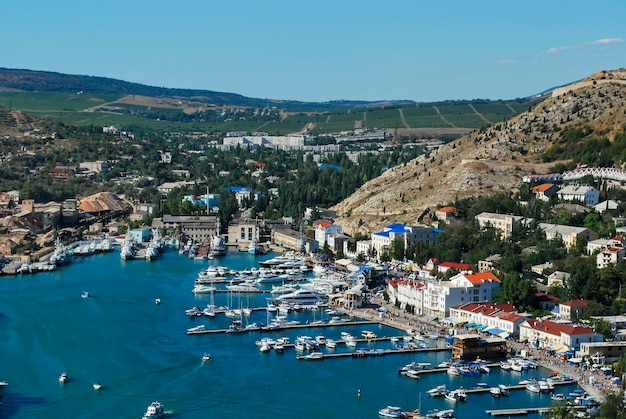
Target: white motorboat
x=85, y=294
x=439, y=391
x=206, y=357
x=390, y=412
x=314, y=356
x=196, y=329
x=202, y=289
x=558, y=397
x=331, y=344
x=532, y=387
x=456, y=395
x=495, y=391
x=97, y=386
x=154, y=411
x=63, y=378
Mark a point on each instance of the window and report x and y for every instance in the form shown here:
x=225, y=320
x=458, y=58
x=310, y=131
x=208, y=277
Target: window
x=243, y=233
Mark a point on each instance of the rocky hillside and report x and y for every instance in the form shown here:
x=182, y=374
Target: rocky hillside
x=487, y=161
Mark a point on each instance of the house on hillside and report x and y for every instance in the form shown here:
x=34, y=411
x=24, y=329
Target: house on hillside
x=446, y=214
x=506, y=224
x=568, y=234
x=587, y=195
x=544, y=191
x=409, y=235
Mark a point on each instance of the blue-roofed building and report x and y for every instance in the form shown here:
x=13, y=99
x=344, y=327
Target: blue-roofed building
x=410, y=235
x=201, y=200
x=321, y=166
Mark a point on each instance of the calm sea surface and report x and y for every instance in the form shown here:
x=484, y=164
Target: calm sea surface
x=140, y=352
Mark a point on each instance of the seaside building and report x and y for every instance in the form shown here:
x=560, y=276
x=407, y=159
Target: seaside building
x=559, y=337
x=497, y=319
x=434, y=298
x=323, y=230
x=472, y=346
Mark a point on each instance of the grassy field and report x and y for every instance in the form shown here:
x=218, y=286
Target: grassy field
x=71, y=109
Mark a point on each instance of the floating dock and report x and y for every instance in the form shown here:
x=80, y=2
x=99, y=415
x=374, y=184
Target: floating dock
x=368, y=353
x=286, y=327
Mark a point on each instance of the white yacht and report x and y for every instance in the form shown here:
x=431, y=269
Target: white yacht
x=202, y=289
x=302, y=296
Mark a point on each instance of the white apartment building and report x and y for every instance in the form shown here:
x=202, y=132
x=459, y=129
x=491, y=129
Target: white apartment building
x=587, y=195
x=323, y=230
x=382, y=240
x=568, y=234
x=434, y=298
x=505, y=223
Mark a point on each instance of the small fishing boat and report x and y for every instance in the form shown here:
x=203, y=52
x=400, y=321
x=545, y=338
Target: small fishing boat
x=63, y=378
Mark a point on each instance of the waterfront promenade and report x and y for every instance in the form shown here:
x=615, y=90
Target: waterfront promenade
x=595, y=383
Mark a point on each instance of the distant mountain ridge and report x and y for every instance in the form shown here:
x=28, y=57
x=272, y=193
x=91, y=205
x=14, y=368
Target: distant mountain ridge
x=47, y=81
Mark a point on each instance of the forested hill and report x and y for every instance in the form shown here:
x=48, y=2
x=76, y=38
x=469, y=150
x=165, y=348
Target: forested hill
x=46, y=81
x=581, y=123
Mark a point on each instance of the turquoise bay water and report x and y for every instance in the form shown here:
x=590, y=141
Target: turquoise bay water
x=139, y=352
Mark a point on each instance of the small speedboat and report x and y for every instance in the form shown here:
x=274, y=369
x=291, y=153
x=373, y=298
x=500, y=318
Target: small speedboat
x=206, y=357
x=97, y=386
x=85, y=294
x=157, y=301
x=495, y=391
x=63, y=378
x=558, y=397
x=390, y=412
x=154, y=411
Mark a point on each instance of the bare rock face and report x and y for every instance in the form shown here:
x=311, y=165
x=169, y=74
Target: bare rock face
x=491, y=160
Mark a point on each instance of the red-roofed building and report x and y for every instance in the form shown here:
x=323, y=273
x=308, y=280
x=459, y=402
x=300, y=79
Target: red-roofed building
x=323, y=229
x=498, y=319
x=445, y=266
x=557, y=336
x=446, y=214
x=544, y=191
x=572, y=309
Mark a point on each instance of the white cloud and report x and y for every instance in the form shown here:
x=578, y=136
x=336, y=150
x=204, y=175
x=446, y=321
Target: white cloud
x=607, y=41
x=508, y=62
x=604, y=41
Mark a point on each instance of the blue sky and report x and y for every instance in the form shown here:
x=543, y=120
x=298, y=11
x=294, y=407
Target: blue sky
x=321, y=50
